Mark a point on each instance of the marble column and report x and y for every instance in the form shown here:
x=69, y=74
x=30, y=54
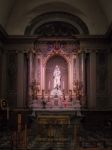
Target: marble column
x=20, y=80
x=36, y=67
x=92, y=81
x=3, y=88
x=30, y=74
x=37, y=72
x=83, y=77
x=30, y=67
x=77, y=67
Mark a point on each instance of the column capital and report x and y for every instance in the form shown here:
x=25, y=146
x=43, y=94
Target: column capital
x=32, y=50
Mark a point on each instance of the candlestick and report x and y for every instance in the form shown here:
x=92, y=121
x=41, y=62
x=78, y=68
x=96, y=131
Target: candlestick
x=42, y=93
x=63, y=85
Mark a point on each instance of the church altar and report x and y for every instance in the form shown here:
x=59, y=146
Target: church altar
x=56, y=98
x=55, y=103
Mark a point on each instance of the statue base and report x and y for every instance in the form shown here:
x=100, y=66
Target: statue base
x=56, y=93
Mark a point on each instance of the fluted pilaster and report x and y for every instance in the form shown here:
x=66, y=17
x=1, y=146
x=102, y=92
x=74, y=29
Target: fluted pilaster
x=20, y=80
x=92, y=81
x=83, y=77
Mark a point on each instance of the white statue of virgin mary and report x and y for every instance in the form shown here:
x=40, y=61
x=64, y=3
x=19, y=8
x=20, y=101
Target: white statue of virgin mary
x=56, y=92
x=57, y=77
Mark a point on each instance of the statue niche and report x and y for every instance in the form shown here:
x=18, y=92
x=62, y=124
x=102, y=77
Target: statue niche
x=56, y=75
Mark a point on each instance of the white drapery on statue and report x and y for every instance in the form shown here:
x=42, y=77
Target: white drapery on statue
x=56, y=92
x=57, y=77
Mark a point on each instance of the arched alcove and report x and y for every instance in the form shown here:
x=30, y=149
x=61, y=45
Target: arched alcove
x=41, y=25
x=50, y=66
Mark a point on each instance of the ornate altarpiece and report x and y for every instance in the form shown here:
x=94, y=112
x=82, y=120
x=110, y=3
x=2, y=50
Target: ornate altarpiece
x=46, y=54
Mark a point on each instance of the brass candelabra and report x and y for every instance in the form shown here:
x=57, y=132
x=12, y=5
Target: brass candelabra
x=77, y=88
x=35, y=88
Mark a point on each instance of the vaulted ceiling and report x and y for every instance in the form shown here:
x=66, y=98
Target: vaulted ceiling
x=16, y=15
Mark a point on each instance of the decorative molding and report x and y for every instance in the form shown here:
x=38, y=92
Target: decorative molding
x=70, y=46
x=55, y=52
x=23, y=39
